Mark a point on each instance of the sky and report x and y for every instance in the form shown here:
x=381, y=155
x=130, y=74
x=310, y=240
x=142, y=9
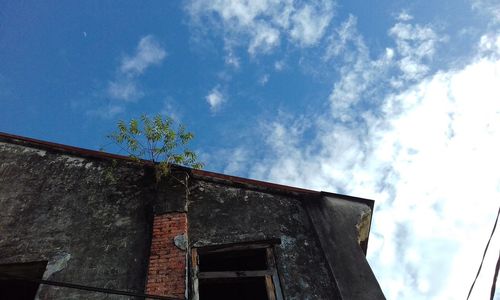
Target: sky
x=396, y=101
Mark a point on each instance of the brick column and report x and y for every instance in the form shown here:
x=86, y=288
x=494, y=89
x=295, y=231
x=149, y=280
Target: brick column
x=167, y=263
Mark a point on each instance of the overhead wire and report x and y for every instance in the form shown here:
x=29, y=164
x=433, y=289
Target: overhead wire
x=85, y=287
x=495, y=277
x=482, y=260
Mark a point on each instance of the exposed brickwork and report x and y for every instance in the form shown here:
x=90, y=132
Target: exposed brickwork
x=167, y=263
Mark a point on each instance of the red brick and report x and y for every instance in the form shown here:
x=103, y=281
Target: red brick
x=167, y=263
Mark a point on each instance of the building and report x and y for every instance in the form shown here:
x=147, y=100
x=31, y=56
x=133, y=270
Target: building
x=82, y=224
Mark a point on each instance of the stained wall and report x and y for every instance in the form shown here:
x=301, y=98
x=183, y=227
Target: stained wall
x=91, y=217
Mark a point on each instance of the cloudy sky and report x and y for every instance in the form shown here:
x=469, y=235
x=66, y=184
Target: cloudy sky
x=396, y=101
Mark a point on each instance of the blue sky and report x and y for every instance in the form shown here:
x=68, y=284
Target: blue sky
x=396, y=101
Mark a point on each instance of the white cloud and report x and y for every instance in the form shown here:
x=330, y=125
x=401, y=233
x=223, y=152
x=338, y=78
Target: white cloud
x=440, y=139
x=260, y=24
x=126, y=90
x=149, y=52
x=279, y=65
x=489, y=44
x=264, y=39
x=490, y=8
x=343, y=35
x=125, y=87
x=359, y=74
x=404, y=16
x=238, y=161
x=231, y=59
x=361, y=77
x=215, y=99
x=310, y=22
x=416, y=45
x=107, y=112
x=264, y=79
x=169, y=109
x=426, y=151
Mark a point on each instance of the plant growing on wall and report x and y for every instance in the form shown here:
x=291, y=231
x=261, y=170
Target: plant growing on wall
x=158, y=139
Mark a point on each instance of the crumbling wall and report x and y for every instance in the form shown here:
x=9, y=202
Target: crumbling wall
x=89, y=218
x=342, y=226
x=221, y=214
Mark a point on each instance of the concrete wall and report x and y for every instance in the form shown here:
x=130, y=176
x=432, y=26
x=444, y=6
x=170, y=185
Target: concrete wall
x=340, y=225
x=89, y=218
x=221, y=214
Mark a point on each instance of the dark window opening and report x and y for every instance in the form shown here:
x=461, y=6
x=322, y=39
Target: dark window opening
x=249, y=288
x=243, y=271
x=13, y=283
x=252, y=259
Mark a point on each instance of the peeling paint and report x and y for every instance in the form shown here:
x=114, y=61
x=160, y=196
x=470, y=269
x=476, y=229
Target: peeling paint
x=72, y=160
x=363, y=226
x=58, y=208
x=16, y=148
x=246, y=216
x=180, y=241
x=56, y=264
x=39, y=152
x=122, y=221
x=287, y=242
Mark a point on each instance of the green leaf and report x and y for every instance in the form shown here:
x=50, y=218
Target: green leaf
x=156, y=139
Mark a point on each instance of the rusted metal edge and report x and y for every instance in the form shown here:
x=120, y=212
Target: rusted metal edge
x=21, y=140
x=202, y=174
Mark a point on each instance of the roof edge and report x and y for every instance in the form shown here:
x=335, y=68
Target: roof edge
x=25, y=141
x=253, y=182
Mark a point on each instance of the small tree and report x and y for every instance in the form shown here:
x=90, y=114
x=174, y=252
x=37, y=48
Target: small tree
x=157, y=139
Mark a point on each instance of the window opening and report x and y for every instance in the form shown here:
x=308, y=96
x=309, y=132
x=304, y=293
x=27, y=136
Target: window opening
x=245, y=288
x=252, y=259
x=244, y=272
x=12, y=288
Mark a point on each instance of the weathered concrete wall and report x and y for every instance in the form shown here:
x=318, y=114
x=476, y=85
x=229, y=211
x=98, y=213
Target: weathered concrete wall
x=90, y=218
x=338, y=223
x=220, y=214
